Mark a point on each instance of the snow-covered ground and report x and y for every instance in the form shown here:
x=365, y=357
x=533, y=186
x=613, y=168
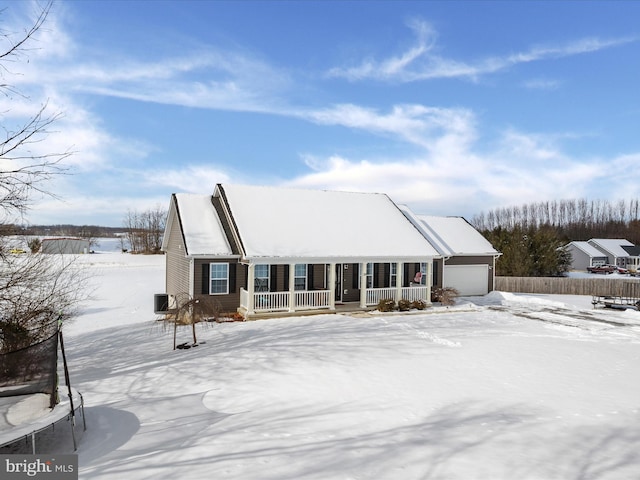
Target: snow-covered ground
x=498, y=387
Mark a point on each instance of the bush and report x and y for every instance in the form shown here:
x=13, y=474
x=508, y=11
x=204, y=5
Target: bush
x=404, y=305
x=419, y=304
x=386, y=305
x=34, y=245
x=446, y=295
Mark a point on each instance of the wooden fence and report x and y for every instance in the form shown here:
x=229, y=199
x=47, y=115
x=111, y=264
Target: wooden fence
x=616, y=287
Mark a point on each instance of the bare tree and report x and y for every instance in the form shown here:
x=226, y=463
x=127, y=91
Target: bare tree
x=189, y=311
x=35, y=290
x=144, y=230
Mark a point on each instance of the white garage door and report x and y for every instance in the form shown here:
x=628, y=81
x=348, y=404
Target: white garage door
x=467, y=279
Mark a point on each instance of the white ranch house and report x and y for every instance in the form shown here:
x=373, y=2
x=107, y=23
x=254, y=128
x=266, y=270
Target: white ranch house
x=266, y=249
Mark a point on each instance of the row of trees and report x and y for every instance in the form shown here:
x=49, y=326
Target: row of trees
x=144, y=230
x=530, y=236
x=573, y=219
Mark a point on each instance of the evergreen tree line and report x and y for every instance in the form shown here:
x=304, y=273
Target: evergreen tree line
x=530, y=236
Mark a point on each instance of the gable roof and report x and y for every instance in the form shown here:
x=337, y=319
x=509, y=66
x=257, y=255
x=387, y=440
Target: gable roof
x=587, y=248
x=612, y=246
x=286, y=223
x=451, y=235
x=200, y=225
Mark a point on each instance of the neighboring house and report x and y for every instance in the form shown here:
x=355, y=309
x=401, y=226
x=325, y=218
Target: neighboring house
x=613, y=249
x=585, y=255
x=633, y=262
x=467, y=259
x=67, y=245
x=266, y=249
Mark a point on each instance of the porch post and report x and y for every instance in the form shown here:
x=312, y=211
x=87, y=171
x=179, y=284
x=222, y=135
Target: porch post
x=363, y=285
x=251, y=275
x=332, y=286
x=399, y=280
x=429, y=280
x=292, y=287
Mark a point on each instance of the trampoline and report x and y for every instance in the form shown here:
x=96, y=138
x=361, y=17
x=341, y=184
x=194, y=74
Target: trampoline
x=30, y=399
x=22, y=417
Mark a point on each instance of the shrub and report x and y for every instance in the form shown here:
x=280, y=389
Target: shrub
x=404, y=305
x=419, y=304
x=446, y=295
x=34, y=245
x=387, y=305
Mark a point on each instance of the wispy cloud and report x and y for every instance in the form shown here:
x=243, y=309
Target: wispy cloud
x=450, y=179
x=422, y=61
x=417, y=124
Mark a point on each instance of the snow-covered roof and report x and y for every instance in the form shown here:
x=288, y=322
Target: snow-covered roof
x=612, y=246
x=587, y=248
x=450, y=235
x=201, y=226
x=295, y=223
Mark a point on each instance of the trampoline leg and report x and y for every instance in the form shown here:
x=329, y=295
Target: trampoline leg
x=84, y=419
x=73, y=436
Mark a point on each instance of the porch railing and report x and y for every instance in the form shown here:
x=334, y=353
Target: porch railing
x=281, y=301
x=316, y=299
x=374, y=295
x=416, y=292
x=312, y=299
x=271, y=301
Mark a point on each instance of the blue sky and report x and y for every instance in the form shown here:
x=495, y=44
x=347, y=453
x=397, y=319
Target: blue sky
x=453, y=108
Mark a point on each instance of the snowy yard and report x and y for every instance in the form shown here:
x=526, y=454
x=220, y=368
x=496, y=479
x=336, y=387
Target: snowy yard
x=502, y=387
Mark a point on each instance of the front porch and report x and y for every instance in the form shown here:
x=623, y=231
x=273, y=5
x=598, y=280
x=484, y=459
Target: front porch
x=332, y=285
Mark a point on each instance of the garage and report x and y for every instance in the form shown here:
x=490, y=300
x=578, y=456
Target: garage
x=467, y=279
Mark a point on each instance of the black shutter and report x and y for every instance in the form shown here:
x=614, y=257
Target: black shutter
x=434, y=279
x=205, y=279
x=232, y=277
x=273, y=278
x=309, y=277
x=376, y=275
x=286, y=277
x=405, y=271
x=355, y=271
x=387, y=275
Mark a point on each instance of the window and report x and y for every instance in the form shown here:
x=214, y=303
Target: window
x=423, y=271
x=219, y=278
x=369, y=275
x=300, y=276
x=393, y=278
x=261, y=283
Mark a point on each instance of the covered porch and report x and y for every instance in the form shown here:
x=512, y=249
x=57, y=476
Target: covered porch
x=311, y=286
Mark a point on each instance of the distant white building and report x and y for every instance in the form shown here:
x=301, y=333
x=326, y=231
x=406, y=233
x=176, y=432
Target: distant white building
x=585, y=255
x=599, y=251
x=613, y=248
x=67, y=245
